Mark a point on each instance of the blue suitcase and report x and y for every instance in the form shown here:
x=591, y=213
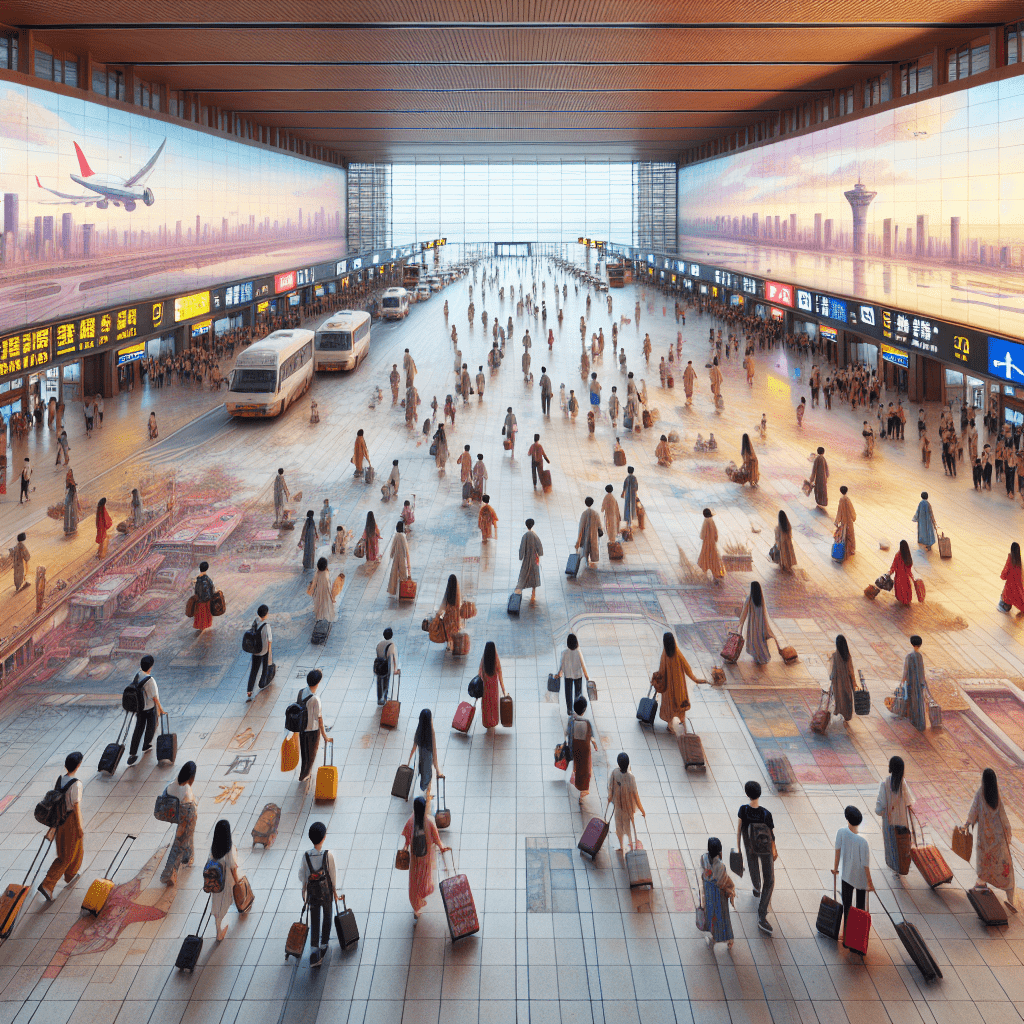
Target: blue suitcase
x=572, y=566
x=647, y=709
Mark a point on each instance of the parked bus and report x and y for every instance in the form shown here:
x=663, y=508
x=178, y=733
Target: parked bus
x=394, y=304
x=619, y=274
x=271, y=374
x=411, y=276
x=342, y=341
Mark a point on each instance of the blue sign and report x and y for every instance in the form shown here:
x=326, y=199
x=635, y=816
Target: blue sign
x=237, y=294
x=1006, y=360
x=830, y=308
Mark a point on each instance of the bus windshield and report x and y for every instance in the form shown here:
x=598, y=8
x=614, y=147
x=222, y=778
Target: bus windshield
x=390, y=302
x=339, y=341
x=253, y=381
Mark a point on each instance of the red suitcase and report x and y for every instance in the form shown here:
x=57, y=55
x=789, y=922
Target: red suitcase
x=464, y=715
x=593, y=837
x=406, y=590
x=733, y=648
x=459, y=905
x=927, y=858
x=858, y=928
x=460, y=644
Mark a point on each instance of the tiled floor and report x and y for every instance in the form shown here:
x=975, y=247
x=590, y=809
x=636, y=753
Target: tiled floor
x=561, y=940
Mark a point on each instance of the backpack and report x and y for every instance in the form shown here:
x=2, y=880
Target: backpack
x=168, y=808
x=132, y=699
x=382, y=666
x=252, y=638
x=213, y=876
x=204, y=588
x=52, y=811
x=296, y=716
x=319, y=888
x=760, y=837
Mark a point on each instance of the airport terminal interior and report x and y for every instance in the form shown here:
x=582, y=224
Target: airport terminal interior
x=510, y=512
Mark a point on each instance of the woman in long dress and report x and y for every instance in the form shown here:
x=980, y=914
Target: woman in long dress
x=719, y=892
x=486, y=519
x=630, y=489
x=992, y=858
x=425, y=741
x=491, y=674
x=530, y=551
x=926, y=525
x=670, y=681
x=903, y=575
x=182, y=848
x=709, y=560
x=401, y=567
x=841, y=679
x=449, y=615
x=625, y=800
x=359, y=453
x=72, y=506
x=819, y=479
x=223, y=851
x=103, y=525
x=203, y=591
x=441, y=440
x=893, y=806
x=784, y=542
x=579, y=735
x=371, y=539
x=610, y=511
x=136, y=508
x=20, y=559
x=750, y=466
x=915, y=687
x=1013, y=591
x=421, y=836
x=846, y=516
x=759, y=630
x=324, y=594
x=307, y=541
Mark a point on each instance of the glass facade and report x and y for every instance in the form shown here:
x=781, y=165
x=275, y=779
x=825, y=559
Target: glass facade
x=369, y=207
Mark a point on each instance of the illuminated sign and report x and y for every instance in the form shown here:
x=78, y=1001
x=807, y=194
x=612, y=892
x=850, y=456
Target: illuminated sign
x=201, y=328
x=895, y=356
x=780, y=293
x=1006, y=360
x=804, y=301
x=129, y=355
x=914, y=331
x=778, y=314
x=723, y=277
x=238, y=294
x=20, y=352
x=750, y=285
x=284, y=282
x=695, y=270
x=357, y=264
x=127, y=324
x=262, y=307
x=831, y=308
x=318, y=291
x=829, y=333
x=304, y=276
x=867, y=315
x=188, y=306
x=340, y=267
x=293, y=299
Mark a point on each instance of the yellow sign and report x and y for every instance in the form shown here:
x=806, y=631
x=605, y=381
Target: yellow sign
x=188, y=306
x=262, y=307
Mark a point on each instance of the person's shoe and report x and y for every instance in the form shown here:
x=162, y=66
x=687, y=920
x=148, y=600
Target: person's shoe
x=765, y=927
x=146, y=750
x=756, y=893
x=46, y=896
x=248, y=696
x=263, y=685
x=316, y=958
x=323, y=948
x=132, y=758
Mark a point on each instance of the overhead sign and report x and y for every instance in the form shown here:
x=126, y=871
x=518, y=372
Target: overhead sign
x=1006, y=360
x=284, y=282
x=782, y=294
x=129, y=355
x=896, y=356
x=24, y=351
x=188, y=306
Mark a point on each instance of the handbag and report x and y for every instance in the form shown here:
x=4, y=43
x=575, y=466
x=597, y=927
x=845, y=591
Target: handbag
x=217, y=603
x=561, y=759
x=436, y=632
x=700, y=912
x=884, y=582
x=190, y=606
x=732, y=649
x=822, y=717
x=402, y=860
x=773, y=553
x=658, y=681
x=919, y=589
x=360, y=551
x=962, y=842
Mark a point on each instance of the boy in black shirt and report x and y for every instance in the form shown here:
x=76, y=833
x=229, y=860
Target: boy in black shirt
x=756, y=829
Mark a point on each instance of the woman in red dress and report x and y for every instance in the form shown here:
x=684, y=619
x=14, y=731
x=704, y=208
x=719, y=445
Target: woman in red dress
x=1013, y=592
x=104, y=523
x=903, y=576
x=490, y=673
x=203, y=590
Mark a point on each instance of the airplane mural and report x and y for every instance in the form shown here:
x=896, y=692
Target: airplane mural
x=107, y=188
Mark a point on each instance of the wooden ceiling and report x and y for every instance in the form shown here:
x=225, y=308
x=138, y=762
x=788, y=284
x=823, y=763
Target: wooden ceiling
x=384, y=80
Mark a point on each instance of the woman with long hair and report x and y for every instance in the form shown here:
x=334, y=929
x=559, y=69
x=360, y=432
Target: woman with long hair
x=784, y=542
x=182, y=848
x=670, y=681
x=719, y=892
x=448, y=618
x=323, y=593
x=709, y=559
x=491, y=674
x=103, y=525
x=72, y=506
x=371, y=539
x=992, y=857
x=902, y=570
x=440, y=438
x=421, y=836
x=893, y=805
x=401, y=564
x=1013, y=591
x=425, y=742
x=579, y=735
x=222, y=850
x=203, y=591
x=841, y=679
x=750, y=466
x=759, y=630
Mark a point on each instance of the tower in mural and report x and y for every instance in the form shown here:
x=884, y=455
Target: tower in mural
x=859, y=199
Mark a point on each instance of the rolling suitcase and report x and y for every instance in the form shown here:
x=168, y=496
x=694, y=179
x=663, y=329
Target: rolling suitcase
x=945, y=546
x=295, y=943
x=692, y=749
x=593, y=837
x=345, y=926
x=926, y=857
x=265, y=829
x=615, y=551
x=166, y=742
x=506, y=709
x=464, y=715
x=290, y=752
x=188, y=955
x=321, y=631
x=14, y=896
x=406, y=590
x=402, y=786
x=572, y=565
x=113, y=752
x=393, y=707
x=100, y=890
x=780, y=771
x=789, y=655
x=619, y=456
x=830, y=915
x=862, y=697
x=443, y=815
x=858, y=928
x=515, y=602
x=460, y=644
x=327, y=777
x=915, y=945
x=638, y=867
x=647, y=708
x=545, y=479
x=459, y=905
x=732, y=648
x=241, y=893
x=987, y=905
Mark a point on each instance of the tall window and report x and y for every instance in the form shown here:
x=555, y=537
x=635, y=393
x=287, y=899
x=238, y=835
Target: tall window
x=968, y=60
x=844, y=101
x=877, y=90
x=1014, y=43
x=108, y=82
x=915, y=77
x=147, y=95
x=8, y=52
x=55, y=67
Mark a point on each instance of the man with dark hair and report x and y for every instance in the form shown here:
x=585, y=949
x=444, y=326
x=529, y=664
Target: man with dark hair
x=309, y=738
x=387, y=654
x=263, y=658
x=281, y=495
x=855, y=854
x=318, y=877
x=150, y=709
x=70, y=833
x=756, y=831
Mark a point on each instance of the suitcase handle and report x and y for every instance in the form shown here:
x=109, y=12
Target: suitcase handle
x=329, y=744
x=204, y=920
x=32, y=869
x=127, y=839
x=442, y=800
x=125, y=728
x=162, y=718
x=444, y=864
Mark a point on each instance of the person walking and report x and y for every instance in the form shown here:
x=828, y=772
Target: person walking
x=587, y=539
x=24, y=480
x=225, y=856
x=630, y=492
x=784, y=543
x=318, y=877
x=625, y=800
x=69, y=835
x=852, y=864
x=993, y=859
x=841, y=678
x=546, y=391
x=309, y=738
x=447, y=619
x=926, y=525
x=1013, y=591
x=360, y=453
x=19, y=560
x=487, y=519
x=263, y=658
x=307, y=541
x=149, y=706
x=756, y=832
x=537, y=459
x=579, y=735
x=893, y=805
x=412, y=400
x=915, y=693
x=465, y=464
x=386, y=658
x=716, y=378
x=421, y=837
x=281, y=495
x=203, y=591
x=819, y=479
x=390, y=488
x=610, y=512
x=401, y=565
x=481, y=383
x=670, y=682
x=154, y=431
x=440, y=440
x=370, y=540
x=103, y=525
x=509, y=430
x=479, y=477
x=182, y=849
x=324, y=593
x=425, y=742
x=719, y=892
x=409, y=366
x=63, y=451
x=709, y=559
x=491, y=674
x=902, y=570
x=72, y=506
x=136, y=510
x=573, y=670
x=530, y=551
x=846, y=516
x=689, y=378
x=751, y=470
x=759, y=630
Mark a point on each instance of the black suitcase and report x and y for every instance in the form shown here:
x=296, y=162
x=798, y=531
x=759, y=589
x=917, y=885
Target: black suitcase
x=113, y=752
x=862, y=698
x=188, y=955
x=987, y=905
x=647, y=709
x=830, y=915
x=915, y=945
x=321, y=631
x=166, y=743
x=572, y=565
x=515, y=602
x=345, y=926
x=402, y=786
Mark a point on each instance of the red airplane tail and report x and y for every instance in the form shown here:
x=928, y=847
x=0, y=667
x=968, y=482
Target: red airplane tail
x=87, y=171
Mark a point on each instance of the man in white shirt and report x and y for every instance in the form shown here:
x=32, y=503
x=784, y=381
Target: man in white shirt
x=68, y=835
x=147, y=717
x=855, y=854
x=387, y=651
x=320, y=892
x=309, y=738
x=261, y=661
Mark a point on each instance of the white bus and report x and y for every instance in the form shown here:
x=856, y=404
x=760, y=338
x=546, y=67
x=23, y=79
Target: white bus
x=342, y=341
x=394, y=304
x=271, y=374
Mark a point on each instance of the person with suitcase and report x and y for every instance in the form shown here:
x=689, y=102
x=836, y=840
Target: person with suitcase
x=401, y=564
x=588, y=544
x=491, y=675
x=318, y=878
x=993, y=860
x=573, y=670
x=148, y=708
x=221, y=874
x=670, y=682
x=309, y=738
x=421, y=836
x=719, y=892
x=530, y=551
x=624, y=799
x=385, y=665
x=537, y=454
x=852, y=865
x=426, y=743
x=182, y=849
x=579, y=735
x=630, y=492
x=756, y=831
x=893, y=805
x=263, y=656
x=69, y=834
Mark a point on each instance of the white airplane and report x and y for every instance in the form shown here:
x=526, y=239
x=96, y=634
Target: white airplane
x=108, y=188
x=1008, y=365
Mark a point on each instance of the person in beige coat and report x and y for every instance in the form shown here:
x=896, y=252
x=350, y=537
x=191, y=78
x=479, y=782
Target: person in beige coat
x=324, y=593
x=587, y=540
x=401, y=567
x=784, y=542
x=846, y=516
x=709, y=560
x=625, y=800
x=610, y=511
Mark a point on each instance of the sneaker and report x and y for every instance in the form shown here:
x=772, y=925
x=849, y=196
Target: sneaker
x=132, y=758
x=46, y=895
x=248, y=696
x=765, y=927
x=756, y=893
x=316, y=958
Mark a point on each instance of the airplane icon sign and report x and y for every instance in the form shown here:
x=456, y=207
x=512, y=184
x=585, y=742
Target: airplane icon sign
x=1005, y=367
x=105, y=189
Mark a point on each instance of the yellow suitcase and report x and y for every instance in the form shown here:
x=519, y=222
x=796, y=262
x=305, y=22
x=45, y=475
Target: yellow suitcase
x=100, y=890
x=290, y=752
x=327, y=776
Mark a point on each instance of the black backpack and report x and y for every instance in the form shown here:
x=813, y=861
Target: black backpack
x=132, y=699
x=760, y=836
x=203, y=588
x=319, y=888
x=252, y=638
x=382, y=666
x=52, y=811
x=296, y=716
